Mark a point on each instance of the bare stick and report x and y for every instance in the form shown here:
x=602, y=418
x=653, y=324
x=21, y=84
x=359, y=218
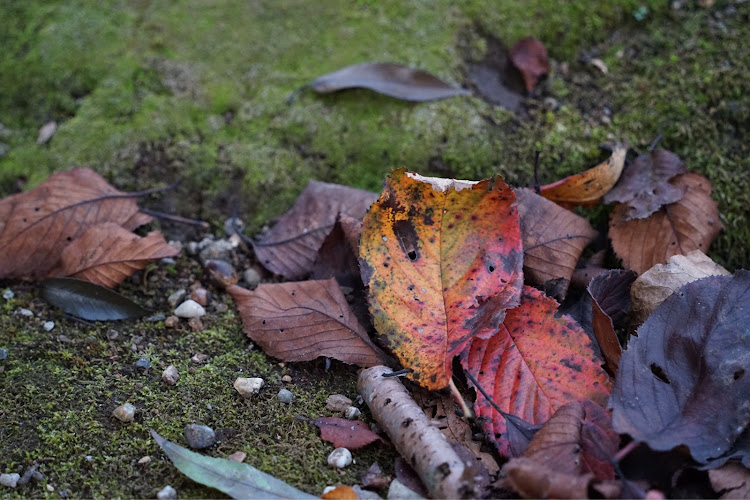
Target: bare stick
x=423, y=445
x=176, y=218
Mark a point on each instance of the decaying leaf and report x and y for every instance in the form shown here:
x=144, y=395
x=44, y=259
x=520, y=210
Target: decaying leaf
x=394, y=80
x=238, y=480
x=530, y=57
x=731, y=481
x=533, y=365
x=683, y=380
x=106, y=254
x=338, y=256
x=89, y=301
x=610, y=298
x=442, y=260
x=644, y=184
x=587, y=188
x=300, y=321
x=291, y=246
x=553, y=238
x=690, y=224
x=37, y=225
x=344, y=433
x=655, y=285
x=532, y=480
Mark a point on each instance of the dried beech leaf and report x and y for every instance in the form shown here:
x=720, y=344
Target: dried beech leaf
x=89, y=301
x=338, y=256
x=106, y=254
x=588, y=187
x=655, y=285
x=644, y=185
x=300, y=321
x=731, y=481
x=683, y=380
x=394, y=80
x=343, y=433
x=690, y=224
x=553, y=238
x=291, y=246
x=35, y=226
x=530, y=57
x=531, y=480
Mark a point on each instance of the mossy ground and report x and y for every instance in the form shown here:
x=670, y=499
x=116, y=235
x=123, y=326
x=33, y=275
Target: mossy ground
x=152, y=92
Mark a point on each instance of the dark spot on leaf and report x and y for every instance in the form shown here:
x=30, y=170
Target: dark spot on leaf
x=406, y=423
x=738, y=374
x=660, y=373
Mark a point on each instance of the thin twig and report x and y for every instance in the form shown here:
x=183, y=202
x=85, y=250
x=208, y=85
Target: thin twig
x=537, y=186
x=484, y=393
x=176, y=218
x=655, y=142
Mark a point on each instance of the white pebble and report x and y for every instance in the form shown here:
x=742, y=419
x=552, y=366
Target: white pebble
x=352, y=413
x=170, y=375
x=248, y=386
x=48, y=325
x=25, y=312
x=10, y=480
x=124, y=413
x=338, y=402
x=167, y=493
x=8, y=294
x=340, y=458
x=190, y=309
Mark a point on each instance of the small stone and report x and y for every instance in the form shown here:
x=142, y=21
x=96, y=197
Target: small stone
x=25, y=312
x=190, y=309
x=124, y=413
x=171, y=321
x=338, y=402
x=340, y=458
x=46, y=132
x=10, y=480
x=8, y=294
x=176, y=298
x=399, y=490
x=192, y=248
x=199, y=436
x=143, y=364
x=220, y=249
x=195, y=324
x=551, y=103
x=237, y=456
x=63, y=338
x=286, y=379
x=168, y=261
x=170, y=375
x=144, y=460
x=251, y=277
x=200, y=295
x=156, y=317
x=363, y=494
x=50, y=488
x=232, y=225
x=167, y=493
x=4, y=354
x=352, y=413
x=285, y=396
x=113, y=334
x=199, y=357
x=247, y=387
x=221, y=273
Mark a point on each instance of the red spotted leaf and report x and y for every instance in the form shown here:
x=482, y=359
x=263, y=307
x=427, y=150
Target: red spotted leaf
x=442, y=260
x=344, y=433
x=533, y=365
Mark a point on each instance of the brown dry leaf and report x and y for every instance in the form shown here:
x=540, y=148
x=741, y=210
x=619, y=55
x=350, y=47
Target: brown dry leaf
x=300, y=321
x=553, y=238
x=343, y=433
x=37, y=225
x=106, y=254
x=588, y=187
x=530, y=57
x=593, y=267
x=532, y=480
x=731, y=481
x=291, y=246
x=655, y=285
x=679, y=228
x=338, y=256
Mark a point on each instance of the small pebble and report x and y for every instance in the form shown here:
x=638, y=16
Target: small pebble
x=399, y=490
x=170, y=375
x=176, y=298
x=340, y=458
x=156, y=317
x=199, y=357
x=190, y=309
x=232, y=225
x=195, y=324
x=113, y=334
x=8, y=294
x=25, y=312
x=144, y=460
x=171, y=321
x=167, y=493
x=237, y=456
x=338, y=402
x=286, y=379
x=63, y=338
x=50, y=488
x=285, y=396
x=10, y=480
x=199, y=436
x=247, y=387
x=251, y=277
x=124, y=413
x=143, y=364
x=221, y=273
x=4, y=354
x=200, y=295
x=217, y=250
x=352, y=413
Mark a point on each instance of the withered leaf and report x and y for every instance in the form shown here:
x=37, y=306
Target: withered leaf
x=106, y=254
x=89, y=301
x=731, y=481
x=338, y=256
x=683, y=380
x=553, y=238
x=530, y=57
x=690, y=224
x=291, y=246
x=343, y=433
x=35, y=226
x=300, y=321
x=394, y=80
x=532, y=480
x=644, y=185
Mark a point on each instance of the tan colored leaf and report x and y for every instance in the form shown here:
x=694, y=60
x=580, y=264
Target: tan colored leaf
x=731, y=481
x=532, y=480
x=300, y=321
x=676, y=229
x=106, y=254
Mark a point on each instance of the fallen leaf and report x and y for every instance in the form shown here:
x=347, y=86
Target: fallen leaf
x=300, y=321
x=655, y=285
x=531, y=480
x=644, y=184
x=106, y=254
x=731, y=481
x=533, y=365
x=683, y=380
x=89, y=301
x=530, y=57
x=37, y=225
x=588, y=187
x=374, y=479
x=593, y=267
x=442, y=260
x=344, y=433
x=341, y=493
x=394, y=80
x=338, y=256
x=690, y=224
x=553, y=238
x=291, y=246
x=610, y=298
x=238, y=480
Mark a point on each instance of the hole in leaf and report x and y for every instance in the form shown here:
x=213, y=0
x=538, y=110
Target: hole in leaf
x=738, y=373
x=658, y=371
x=412, y=255
x=491, y=269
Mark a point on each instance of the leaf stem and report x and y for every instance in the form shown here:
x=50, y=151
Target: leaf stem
x=464, y=407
